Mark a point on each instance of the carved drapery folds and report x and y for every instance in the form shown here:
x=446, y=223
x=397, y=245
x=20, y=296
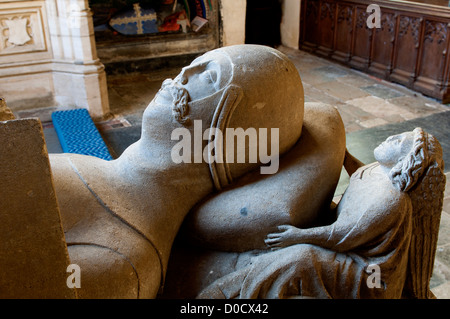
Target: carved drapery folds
x=410, y=48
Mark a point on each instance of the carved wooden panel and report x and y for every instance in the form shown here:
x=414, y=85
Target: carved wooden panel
x=362, y=40
x=410, y=47
x=383, y=45
x=344, y=27
x=434, y=49
x=311, y=18
x=407, y=49
x=326, y=26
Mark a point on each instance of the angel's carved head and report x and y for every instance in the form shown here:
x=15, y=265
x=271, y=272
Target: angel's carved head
x=409, y=155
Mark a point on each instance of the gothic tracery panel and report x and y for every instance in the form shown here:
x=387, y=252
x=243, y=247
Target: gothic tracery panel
x=410, y=46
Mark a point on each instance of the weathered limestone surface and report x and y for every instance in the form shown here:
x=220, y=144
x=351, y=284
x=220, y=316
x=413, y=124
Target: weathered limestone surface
x=300, y=192
x=33, y=252
x=381, y=244
x=130, y=209
x=250, y=234
x=225, y=231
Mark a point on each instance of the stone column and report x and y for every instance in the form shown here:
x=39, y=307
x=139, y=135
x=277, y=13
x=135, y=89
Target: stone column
x=233, y=21
x=79, y=76
x=290, y=23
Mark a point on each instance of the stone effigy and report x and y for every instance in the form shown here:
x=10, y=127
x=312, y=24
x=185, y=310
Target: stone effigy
x=227, y=228
x=238, y=218
x=254, y=219
x=387, y=221
x=121, y=217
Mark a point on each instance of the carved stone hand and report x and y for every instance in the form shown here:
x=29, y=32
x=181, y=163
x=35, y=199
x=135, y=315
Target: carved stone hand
x=288, y=235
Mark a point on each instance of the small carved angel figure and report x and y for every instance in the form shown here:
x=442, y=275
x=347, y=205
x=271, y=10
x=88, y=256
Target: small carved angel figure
x=388, y=217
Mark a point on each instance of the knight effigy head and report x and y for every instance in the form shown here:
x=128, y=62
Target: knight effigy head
x=242, y=89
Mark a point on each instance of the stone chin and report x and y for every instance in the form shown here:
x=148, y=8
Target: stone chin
x=386, y=154
x=379, y=153
x=394, y=148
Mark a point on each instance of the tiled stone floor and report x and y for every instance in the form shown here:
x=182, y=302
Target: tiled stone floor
x=372, y=109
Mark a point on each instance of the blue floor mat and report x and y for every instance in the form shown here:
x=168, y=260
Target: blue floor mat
x=78, y=134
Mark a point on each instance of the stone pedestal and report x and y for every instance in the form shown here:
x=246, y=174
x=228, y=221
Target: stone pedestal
x=33, y=251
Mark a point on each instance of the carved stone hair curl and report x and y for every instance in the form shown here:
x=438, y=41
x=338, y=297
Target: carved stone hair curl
x=409, y=168
x=180, y=107
x=180, y=100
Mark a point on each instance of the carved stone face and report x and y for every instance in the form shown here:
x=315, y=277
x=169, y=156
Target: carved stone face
x=202, y=79
x=205, y=75
x=243, y=86
x=394, y=148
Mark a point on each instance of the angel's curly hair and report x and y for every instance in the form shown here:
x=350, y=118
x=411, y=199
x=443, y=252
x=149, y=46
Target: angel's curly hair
x=426, y=149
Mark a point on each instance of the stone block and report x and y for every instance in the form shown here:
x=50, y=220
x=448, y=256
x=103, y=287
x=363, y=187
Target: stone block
x=33, y=251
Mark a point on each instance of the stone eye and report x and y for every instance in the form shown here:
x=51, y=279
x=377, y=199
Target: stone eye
x=210, y=76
